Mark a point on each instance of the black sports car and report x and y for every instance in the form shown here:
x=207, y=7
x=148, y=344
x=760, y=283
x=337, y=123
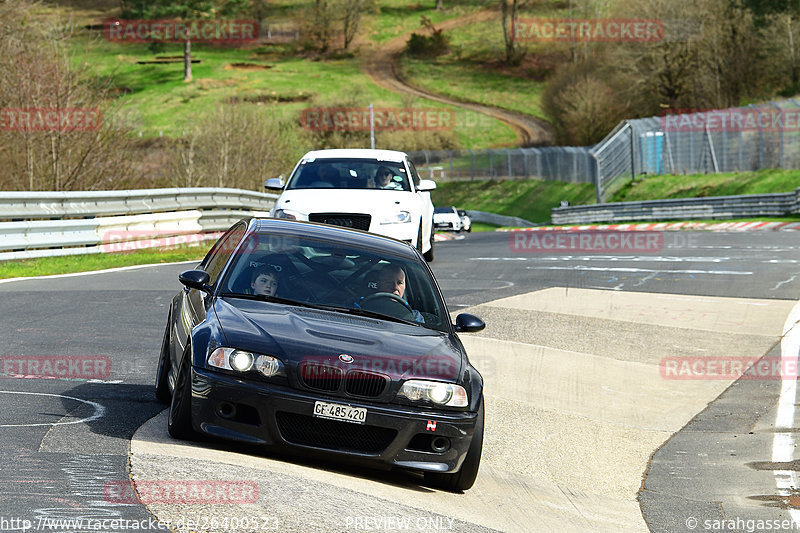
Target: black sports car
x=326, y=340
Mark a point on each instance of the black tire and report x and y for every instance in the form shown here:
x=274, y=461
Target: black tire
x=465, y=477
x=163, y=394
x=179, y=421
x=429, y=254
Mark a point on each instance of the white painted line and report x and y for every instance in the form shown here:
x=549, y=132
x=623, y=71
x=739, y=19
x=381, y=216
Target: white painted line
x=99, y=411
x=107, y=270
x=783, y=443
x=619, y=269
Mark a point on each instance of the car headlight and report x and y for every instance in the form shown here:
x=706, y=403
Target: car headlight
x=281, y=213
x=439, y=393
x=401, y=217
x=243, y=361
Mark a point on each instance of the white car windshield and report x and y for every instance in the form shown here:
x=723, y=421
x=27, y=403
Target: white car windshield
x=349, y=174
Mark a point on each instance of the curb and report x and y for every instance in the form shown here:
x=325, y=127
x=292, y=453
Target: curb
x=675, y=226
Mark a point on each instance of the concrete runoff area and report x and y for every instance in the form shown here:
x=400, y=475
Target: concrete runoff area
x=572, y=419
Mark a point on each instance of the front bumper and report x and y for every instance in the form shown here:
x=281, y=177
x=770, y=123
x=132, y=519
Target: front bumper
x=281, y=417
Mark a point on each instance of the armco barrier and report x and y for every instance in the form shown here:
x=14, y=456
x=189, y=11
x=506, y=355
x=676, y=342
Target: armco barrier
x=498, y=220
x=39, y=224
x=717, y=207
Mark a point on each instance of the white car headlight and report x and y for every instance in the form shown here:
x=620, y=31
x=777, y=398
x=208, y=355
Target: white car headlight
x=281, y=213
x=401, y=217
x=243, y=361
x=446, y=394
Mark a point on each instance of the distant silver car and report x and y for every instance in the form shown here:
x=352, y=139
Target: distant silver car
x=446, y=218
x=466, y=222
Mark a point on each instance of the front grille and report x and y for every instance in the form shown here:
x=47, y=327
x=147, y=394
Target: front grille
x=360, y=383
x=343, y=436
x=347, y=220
x=320, y=376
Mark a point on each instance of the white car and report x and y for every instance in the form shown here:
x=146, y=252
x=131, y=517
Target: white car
x=374, y=190
x=446, y=218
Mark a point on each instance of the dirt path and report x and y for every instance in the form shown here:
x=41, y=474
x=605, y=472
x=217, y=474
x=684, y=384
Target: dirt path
x=381, y=65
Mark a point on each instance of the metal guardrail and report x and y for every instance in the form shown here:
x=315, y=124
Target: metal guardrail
x=716, y=207
x=498, y=220
x=39, y=224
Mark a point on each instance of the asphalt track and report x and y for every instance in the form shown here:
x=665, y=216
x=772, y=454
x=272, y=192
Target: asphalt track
x=584, y=431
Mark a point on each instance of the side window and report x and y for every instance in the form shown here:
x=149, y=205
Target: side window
x=218, y=257
x=414, y=174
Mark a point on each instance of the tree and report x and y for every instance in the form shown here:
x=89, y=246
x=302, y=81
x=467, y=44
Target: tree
x=39, y=77
x=183, y=10
x=351, y=18
x=514, y=53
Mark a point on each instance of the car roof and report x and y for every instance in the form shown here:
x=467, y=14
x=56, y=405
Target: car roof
x=357, y=153
x=345, y=236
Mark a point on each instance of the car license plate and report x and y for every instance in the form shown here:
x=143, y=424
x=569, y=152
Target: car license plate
x=335, y=411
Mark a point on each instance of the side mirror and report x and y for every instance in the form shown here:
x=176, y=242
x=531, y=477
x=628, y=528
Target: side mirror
x=274, y=183
x=466, y=323
x=195, y=279
x=426, y=185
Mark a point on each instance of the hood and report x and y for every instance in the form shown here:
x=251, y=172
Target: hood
x=299, y=335
x=374, y=202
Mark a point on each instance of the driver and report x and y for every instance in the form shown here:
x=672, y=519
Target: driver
x=392, y=279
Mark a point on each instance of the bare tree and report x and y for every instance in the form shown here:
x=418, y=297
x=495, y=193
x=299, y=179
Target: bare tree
x=238, y=145
x=61, y=134
x=514, y=53
x=351, y=19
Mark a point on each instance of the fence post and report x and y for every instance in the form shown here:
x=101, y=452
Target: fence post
x=450, y=153
x=508, y=155
x=539, y=163
x=491, y=164
x=760, y=140
x=525, y=161
x=471, y=165
x=780, y=111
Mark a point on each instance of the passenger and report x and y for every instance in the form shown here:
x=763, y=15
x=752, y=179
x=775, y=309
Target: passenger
x=264, y=281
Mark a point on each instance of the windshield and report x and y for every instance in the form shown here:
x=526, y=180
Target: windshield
x=335, y=276
x=349, y=174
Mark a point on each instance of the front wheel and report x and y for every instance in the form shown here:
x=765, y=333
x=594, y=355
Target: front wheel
x=179, y=421
x=465, y=477
x=162, y=374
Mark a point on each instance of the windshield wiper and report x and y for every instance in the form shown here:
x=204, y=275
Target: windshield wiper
x=271, y=299
x=373, y=314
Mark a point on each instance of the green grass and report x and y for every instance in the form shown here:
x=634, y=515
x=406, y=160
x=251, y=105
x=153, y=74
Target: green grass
x=396, y=17
x=156, y=101
x=528, y=199
x=483, y=226
x=468, y=82
x=46, y=266
x=703, y=185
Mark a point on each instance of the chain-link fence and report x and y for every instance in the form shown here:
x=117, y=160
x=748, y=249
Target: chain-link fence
x=569, y=164
x=721, y=140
